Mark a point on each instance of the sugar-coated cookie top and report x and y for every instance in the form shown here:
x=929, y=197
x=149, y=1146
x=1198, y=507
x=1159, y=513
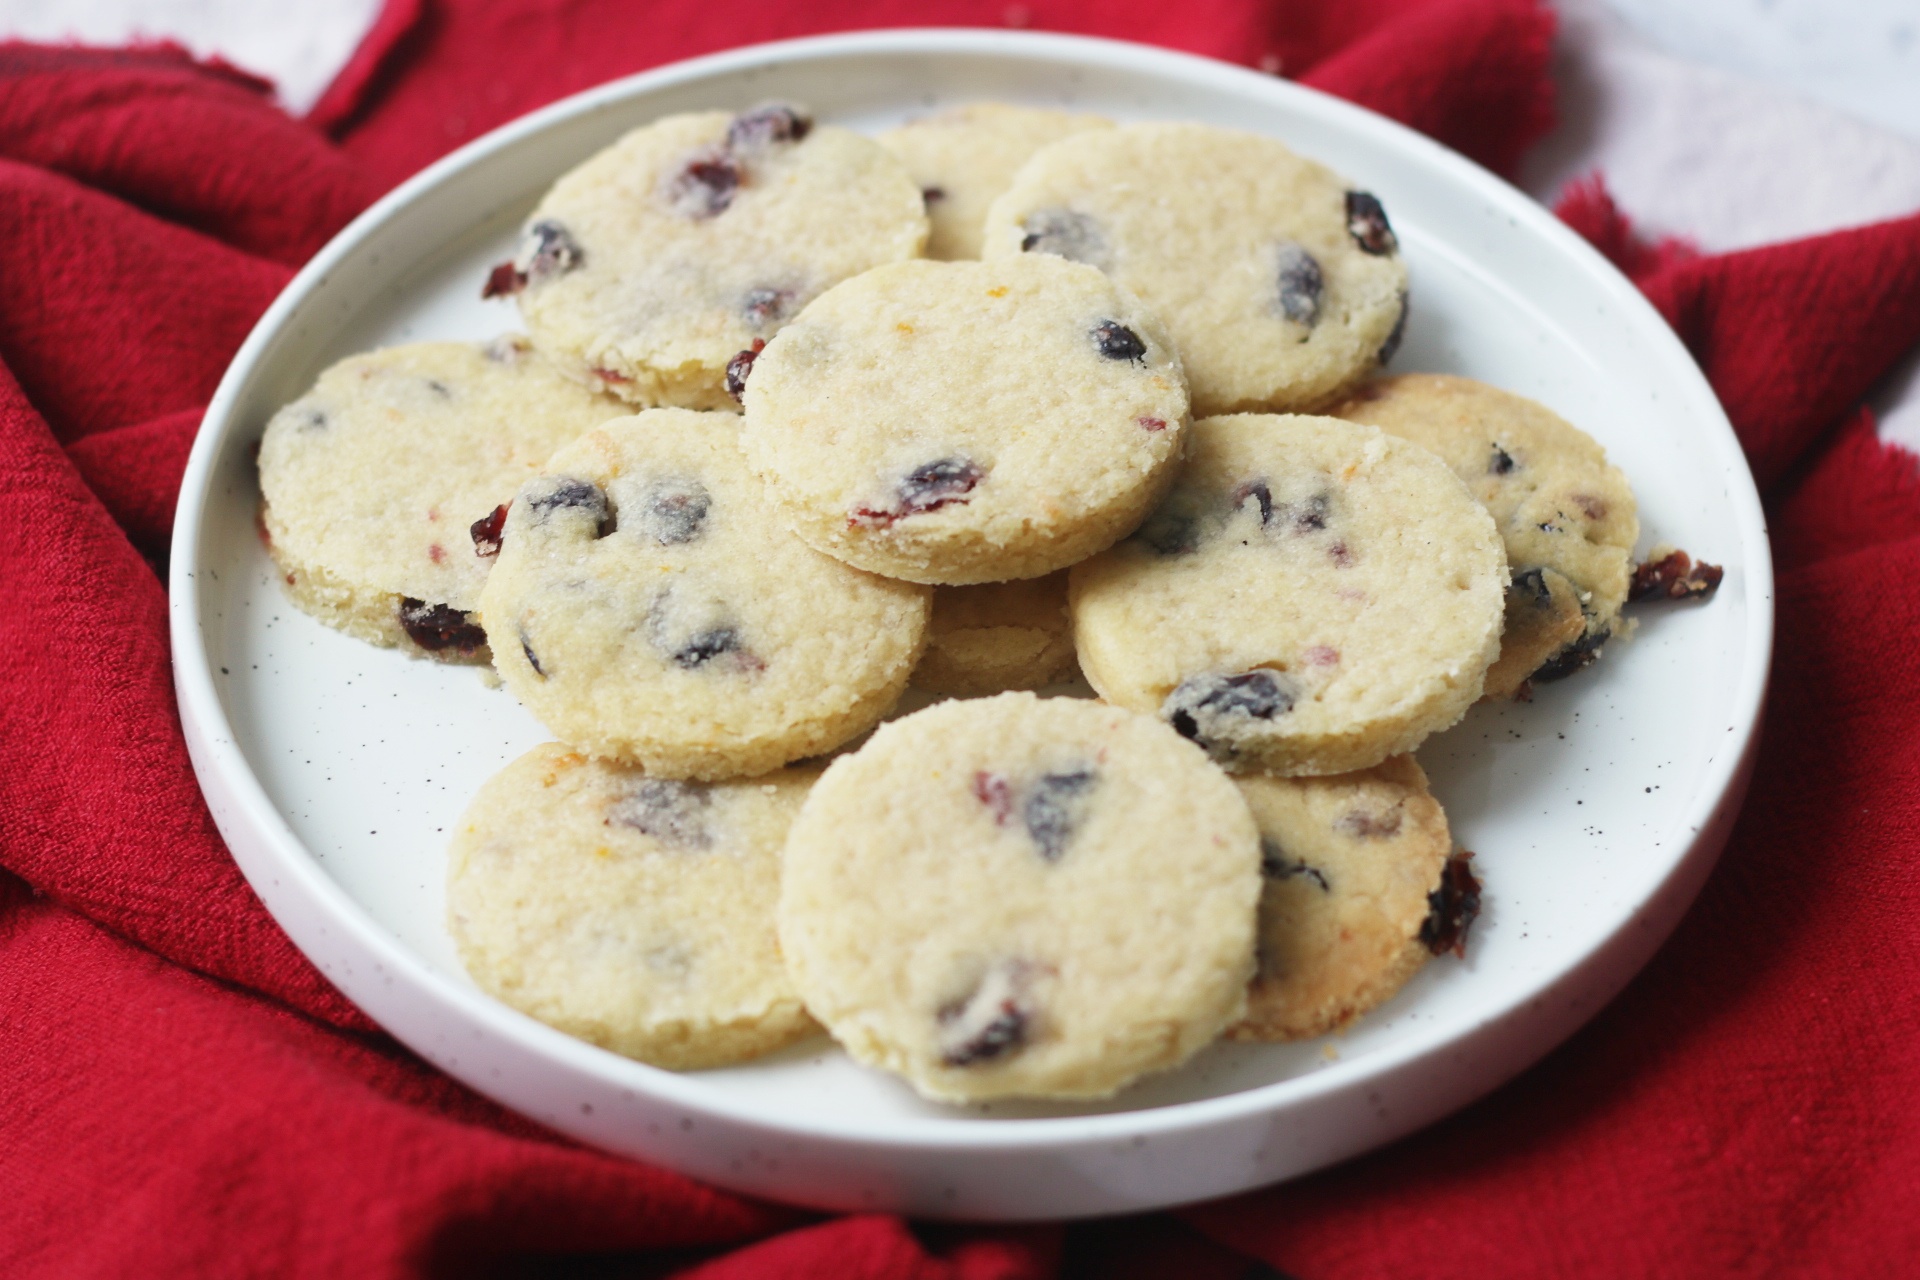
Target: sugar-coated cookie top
x=964, y=157
x=1279, y=280
x=648, y=267
x=1016, y=896
x=1312, y=597
x=967, y=422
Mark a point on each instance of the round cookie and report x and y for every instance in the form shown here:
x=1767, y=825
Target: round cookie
x=1313, y=597
x=646, y=269
x=1567, y=515
x=1280, y=282
x=997, y=636
x=963, y=422
x=1349, y=864
x=374, y=480
x=1027, y=897
x=648, y=607
x=632, y=912
x=964, y=157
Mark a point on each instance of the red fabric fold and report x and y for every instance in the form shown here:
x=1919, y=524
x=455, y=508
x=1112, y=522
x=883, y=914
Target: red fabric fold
x=173, y=1100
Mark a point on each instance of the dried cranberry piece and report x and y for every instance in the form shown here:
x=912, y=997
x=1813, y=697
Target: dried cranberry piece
x=1117, y=342
x=503, y=281
x=1531, y=587
x=1580, y=653
x=933, y=485
x=1171, y=531
x=1310, y=515
x=1501, y=463
x=1301, y=284
x=435, y=627
x=988, y=1023
x=674, y=813
x=763, y=307
x=1151, y=423
x=1064, y=234
x=704, y=646
x=1391, y=346
x=533, y=659
x=557, y=495
x=1054, y=808
x=1452, y=908
x=1276, y=865
x=486, y=532
x=1198, y=706
x=995, y=792
x=932, y=195
x=550, y=250
x=740, y=366
x=675, y=511
x=706, y=184
x=1260, y=493
x=767, y=124
x=1367, y=224
x=1675, y=577
x=1369, y=826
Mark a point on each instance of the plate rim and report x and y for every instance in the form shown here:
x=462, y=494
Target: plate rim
x=220, y=764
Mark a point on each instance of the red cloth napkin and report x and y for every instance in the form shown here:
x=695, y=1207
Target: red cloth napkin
x=181, y=1093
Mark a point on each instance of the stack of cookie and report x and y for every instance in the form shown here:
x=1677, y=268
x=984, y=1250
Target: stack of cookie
x=780, y=444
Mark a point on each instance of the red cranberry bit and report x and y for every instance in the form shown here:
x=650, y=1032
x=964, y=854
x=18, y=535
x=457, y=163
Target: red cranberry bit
x=1341, y=557
x=1675, y=577
x=995, y=792
x=1452, y=908
x=1591, y=507
x=1276, y=865
x=1301, y=284
x=763, y=307
x=932, y=195
x=928, y=487
x=674, y=813
x=503, y=281
x=435, y=627
x=1322, y=655
x=1064, y=234
x=610, y=377
x=1117, y=342
x=766, y=125
x=1152, y=424
x=740, y=366
x=1363, y=825
x=706, y=185
x=486, y=532
x=437, y=553
x=990, y=1022
x=1501, y=463
x=1367, y=224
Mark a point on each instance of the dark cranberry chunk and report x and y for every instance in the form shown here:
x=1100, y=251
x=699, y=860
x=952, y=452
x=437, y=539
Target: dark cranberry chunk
x=1392, y=345
x=1580, y=653
x=763, y=307
x=435, y=627
x=486, y=532
x=1260, y=494
x=1301, y=284
x=932, y=195
x=533, y=659
x=767, y=124
x=1064, y=234
x=994, y=791
x=1452, y=908
x=706, y=184
x=1208, y=709
x=1173, y=530
x=1501, y=463
x=1276, y=865
x=990, y=1022
x=1310, y=514
x=1675, y=577
x=927, y=487
x=704, y=646
x=552, y=496
x=1054, y=807
x=1531, y=587
x=503, y=281
x=674, y=813
x=1367, y=224
x=1117, y=342
x=675, y=511
x=740, y=366
x=550, y=250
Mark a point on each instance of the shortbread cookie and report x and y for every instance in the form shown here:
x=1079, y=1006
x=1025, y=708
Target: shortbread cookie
x=1280, y=282
x=1017, y=896
x=646, y=269
x=630, y=911
x=963, y=158
x=1313, y=597
x=1350, y=863
x=375, y=480
x=960, y=422
x=648, y=607
x=1567, y=515
x=997, y=636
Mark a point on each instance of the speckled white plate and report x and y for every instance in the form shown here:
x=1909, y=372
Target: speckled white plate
x=335, y=769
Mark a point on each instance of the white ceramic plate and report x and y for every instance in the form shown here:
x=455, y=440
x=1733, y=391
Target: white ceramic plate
x=335, y=769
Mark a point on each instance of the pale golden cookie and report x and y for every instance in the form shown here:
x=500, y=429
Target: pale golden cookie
x=1313, y=597
x=1280, y=282
x=964, y=157
x=373, y=483
x=1566, y=514
x=1014, y=896
x=649, y=267
x=632, y=912
x=647, y=606
x=997, y=636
